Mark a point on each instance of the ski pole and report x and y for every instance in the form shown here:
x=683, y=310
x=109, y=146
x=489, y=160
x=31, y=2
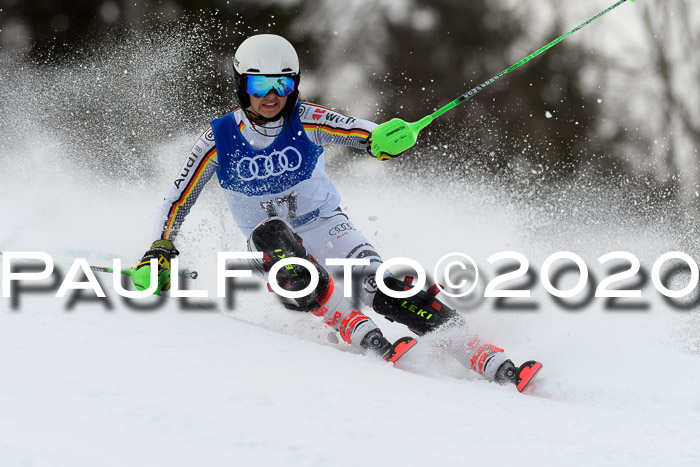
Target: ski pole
x=185, y=273
x=397, y=135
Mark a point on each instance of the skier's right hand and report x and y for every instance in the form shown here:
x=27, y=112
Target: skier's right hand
x=163, y=251
x=382, y=156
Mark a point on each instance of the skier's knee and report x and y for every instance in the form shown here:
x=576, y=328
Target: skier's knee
x=276, y=240
x=421, y=313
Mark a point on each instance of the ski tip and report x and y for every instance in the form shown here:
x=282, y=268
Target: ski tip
x=399, y=349
x=527, y=373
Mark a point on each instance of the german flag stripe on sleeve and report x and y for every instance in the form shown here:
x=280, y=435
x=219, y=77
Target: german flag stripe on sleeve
x=172, y=214
x=359, y=132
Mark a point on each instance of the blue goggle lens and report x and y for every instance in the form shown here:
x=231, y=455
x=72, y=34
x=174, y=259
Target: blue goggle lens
x=261, y=85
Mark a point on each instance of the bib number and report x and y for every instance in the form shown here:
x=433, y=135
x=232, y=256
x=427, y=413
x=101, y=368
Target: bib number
x=290, y=201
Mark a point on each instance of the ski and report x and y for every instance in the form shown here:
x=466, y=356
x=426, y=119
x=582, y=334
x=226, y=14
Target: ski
x=399, y=349
x=526, y=374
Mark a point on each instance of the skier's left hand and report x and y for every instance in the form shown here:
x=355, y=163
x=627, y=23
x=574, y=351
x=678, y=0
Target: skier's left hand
x=382, y=156
x=163, y=251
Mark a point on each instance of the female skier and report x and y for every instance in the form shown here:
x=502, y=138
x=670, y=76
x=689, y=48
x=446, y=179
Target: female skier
x=268, y=158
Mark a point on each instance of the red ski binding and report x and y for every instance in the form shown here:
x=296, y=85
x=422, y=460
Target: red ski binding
x=526, y=374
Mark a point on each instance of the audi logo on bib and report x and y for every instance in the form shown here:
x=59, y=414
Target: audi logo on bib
x=338, y=229
x=274, y=164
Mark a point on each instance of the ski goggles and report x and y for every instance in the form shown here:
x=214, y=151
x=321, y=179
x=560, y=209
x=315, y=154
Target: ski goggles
x=261, y=85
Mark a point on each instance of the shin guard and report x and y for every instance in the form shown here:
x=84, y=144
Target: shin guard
x=421, y=313
x=276, y=240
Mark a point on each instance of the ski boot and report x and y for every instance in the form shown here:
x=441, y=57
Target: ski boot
x=521, y=376
x=376, y=343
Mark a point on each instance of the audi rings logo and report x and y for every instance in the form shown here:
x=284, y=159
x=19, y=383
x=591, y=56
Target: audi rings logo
x=274, y=164
x=341, y=228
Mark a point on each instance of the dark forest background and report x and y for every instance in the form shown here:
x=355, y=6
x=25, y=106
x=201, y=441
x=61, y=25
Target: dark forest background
x=616, y=101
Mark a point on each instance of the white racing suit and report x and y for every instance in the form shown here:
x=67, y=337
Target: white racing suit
x=277, y=170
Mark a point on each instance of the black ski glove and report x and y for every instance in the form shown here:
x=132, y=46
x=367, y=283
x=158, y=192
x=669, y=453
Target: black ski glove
x=382, y=156
x=163, y=251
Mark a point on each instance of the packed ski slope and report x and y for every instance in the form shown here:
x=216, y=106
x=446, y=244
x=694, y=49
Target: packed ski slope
x=87, y=382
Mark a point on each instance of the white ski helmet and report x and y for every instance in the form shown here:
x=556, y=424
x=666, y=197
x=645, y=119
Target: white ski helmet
x=265, y=54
